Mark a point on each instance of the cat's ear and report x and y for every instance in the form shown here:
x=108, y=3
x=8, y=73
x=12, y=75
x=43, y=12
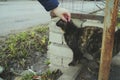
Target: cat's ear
x=70, y=22
x=61, y=23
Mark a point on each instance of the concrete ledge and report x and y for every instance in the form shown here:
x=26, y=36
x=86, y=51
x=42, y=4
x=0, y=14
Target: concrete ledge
x=70, y=73
x=60, y=55
x=55, y=37
x=53, y=27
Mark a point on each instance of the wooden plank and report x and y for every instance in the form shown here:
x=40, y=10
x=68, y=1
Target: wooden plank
x=90, y=16
x=85, y=16
x=110, y=20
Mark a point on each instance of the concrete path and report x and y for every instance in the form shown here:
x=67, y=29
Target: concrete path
x=18, y=15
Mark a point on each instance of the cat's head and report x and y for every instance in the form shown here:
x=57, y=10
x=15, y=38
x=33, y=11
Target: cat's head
x=62, y=24
x=67, y=27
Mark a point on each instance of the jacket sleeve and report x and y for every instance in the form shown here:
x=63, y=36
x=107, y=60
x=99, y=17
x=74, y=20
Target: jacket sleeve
x=49, y=4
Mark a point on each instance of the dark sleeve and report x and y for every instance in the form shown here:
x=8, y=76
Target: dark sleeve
x=49, y=4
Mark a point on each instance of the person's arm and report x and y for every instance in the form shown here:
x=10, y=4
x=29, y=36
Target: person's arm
x=62, y=13
x=52, y=5
x=49, y=4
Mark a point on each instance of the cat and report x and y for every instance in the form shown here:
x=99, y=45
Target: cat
x=86, y=40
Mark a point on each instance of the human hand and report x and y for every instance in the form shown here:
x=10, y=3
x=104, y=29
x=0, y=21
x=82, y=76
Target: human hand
x=62, y=13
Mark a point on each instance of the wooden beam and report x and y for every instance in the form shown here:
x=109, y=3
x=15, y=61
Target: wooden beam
x=110, y=20
x=85, y=16
x=90, y=16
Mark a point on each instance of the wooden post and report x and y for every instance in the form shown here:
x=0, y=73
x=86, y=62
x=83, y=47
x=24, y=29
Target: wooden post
x=110, y=20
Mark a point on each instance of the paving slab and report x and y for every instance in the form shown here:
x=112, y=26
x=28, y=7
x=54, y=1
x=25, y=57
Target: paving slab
x=59, y=55
x=70, y=73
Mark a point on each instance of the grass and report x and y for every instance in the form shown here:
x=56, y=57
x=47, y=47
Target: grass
x=16, y=48
x=48, y=75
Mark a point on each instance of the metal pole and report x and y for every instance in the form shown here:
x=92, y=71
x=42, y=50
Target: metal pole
x=110, y=20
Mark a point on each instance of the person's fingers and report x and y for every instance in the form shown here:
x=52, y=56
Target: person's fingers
x=63, y=18
x=67, y=16
x=62, y=13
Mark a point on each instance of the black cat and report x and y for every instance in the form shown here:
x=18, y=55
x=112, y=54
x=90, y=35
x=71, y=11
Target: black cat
x=85, y=40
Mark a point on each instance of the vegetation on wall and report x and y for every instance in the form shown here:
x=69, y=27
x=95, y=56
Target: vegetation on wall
x=118, y=23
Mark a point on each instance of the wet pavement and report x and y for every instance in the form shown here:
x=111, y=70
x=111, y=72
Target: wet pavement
x=19, y=15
